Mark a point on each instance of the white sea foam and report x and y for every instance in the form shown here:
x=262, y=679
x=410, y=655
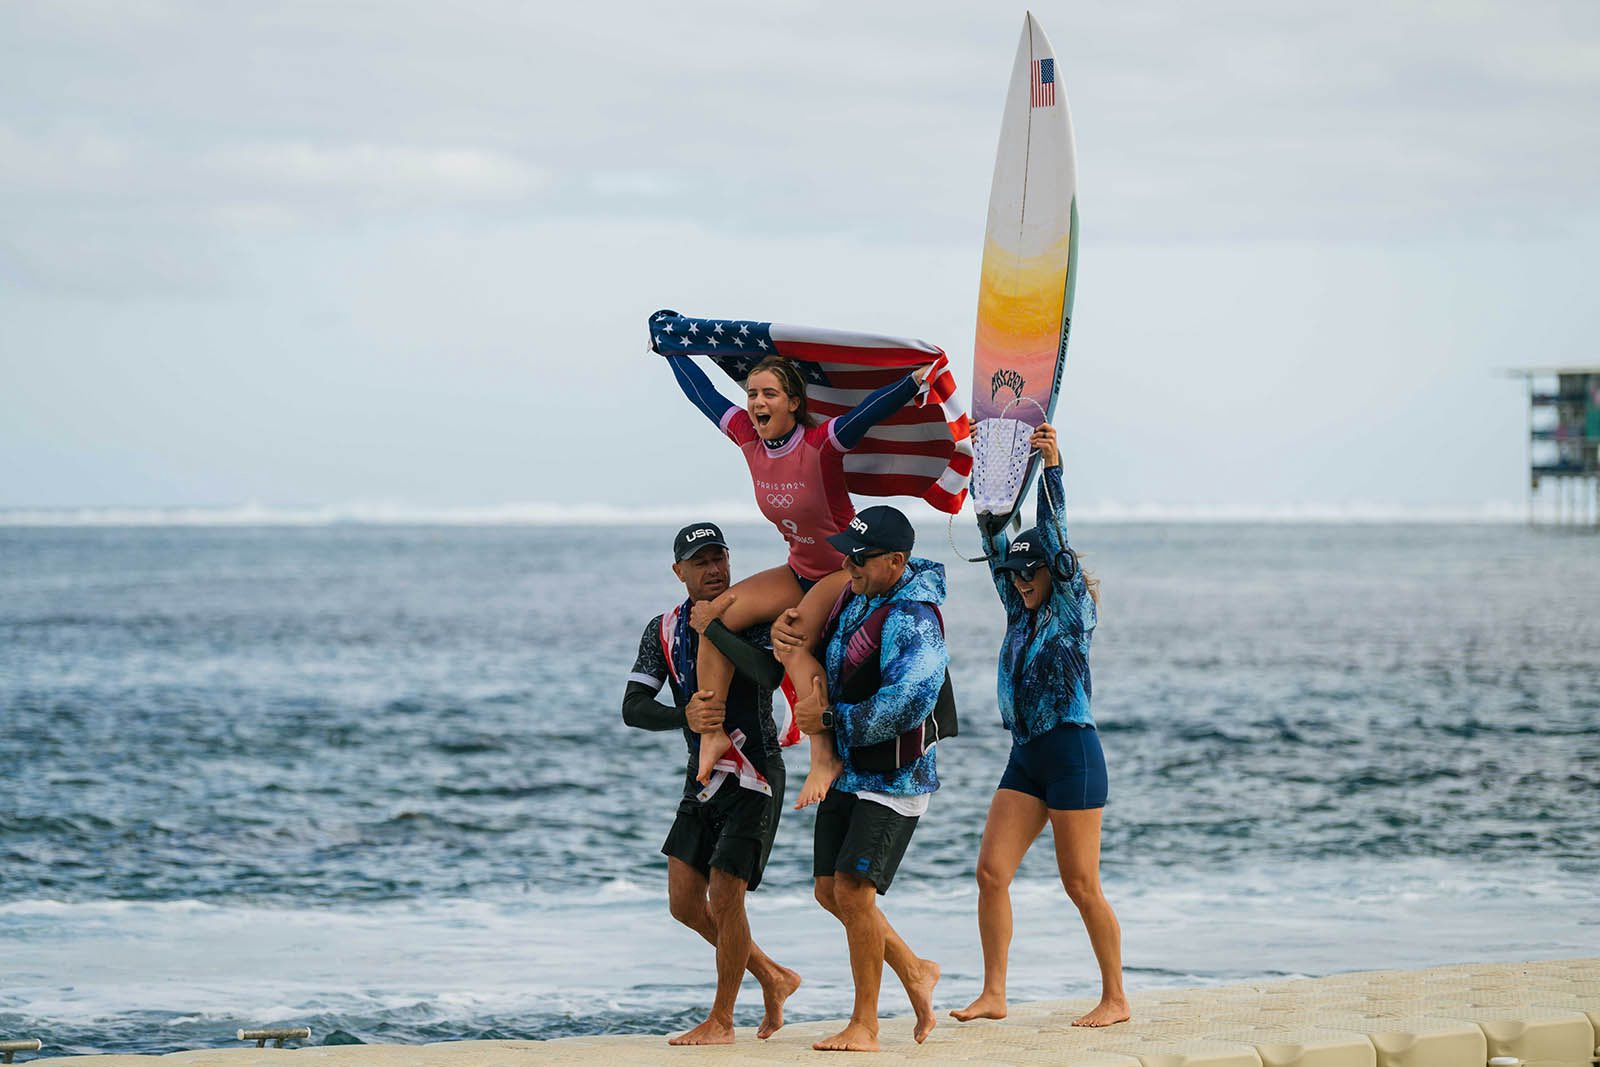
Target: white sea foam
x=456, y=963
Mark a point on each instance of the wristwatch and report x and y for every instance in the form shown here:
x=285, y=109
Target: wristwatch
x=827, y=718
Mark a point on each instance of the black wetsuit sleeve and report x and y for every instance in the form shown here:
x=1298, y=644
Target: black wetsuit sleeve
x=750, y=660
x=641, y=710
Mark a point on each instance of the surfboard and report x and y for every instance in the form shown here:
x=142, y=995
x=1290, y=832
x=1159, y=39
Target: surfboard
x=1030, y=261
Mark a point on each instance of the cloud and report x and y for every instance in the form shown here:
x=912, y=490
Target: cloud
x=88, y=160
x=1195, y=122
x=388, y=173
x=643, y=184
x=62, y=162
x=117, y=262
x=89, y=212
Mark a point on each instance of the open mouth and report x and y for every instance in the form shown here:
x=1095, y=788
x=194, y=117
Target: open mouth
x=763, y=418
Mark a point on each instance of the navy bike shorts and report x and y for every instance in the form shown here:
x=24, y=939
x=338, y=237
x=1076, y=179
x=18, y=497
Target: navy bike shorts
x=805, y=583
x=1064, y=767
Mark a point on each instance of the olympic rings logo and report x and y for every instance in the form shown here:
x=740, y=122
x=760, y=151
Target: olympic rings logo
x=781, y=500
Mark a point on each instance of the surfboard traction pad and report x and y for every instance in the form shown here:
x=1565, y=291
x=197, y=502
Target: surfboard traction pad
x=997, y=480
x=1545, y=1014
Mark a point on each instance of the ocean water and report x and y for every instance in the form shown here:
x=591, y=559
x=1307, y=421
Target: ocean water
x=373, y=779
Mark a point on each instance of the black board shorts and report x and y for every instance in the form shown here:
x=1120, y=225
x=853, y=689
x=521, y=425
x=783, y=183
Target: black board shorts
x=859, y=837
x=733, y=831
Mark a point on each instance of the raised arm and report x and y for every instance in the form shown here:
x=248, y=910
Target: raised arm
x=697, y=387
x=995, y=546
x=1052, y=514
x=1051, y=505
x=852, y=426
x=1050, y=500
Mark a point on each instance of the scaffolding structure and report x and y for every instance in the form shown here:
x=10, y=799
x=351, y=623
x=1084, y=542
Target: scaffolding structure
x=1563, y=445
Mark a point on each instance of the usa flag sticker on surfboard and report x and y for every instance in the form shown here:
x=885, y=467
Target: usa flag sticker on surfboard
x=1030, y=259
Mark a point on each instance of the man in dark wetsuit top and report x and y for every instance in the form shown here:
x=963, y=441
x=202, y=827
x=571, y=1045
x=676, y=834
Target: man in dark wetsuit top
x=719, y=842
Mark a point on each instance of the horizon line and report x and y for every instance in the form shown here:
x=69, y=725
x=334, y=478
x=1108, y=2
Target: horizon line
x=545, y=513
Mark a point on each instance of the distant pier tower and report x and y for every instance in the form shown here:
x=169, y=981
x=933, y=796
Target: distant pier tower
x=1563, y=445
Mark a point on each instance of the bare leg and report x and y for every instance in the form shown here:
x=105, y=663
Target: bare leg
x=856, y=905
x=687, y=895
x=733, y=953
x=761, y=597
x=917, y=975
x=1015, y=820
x=802, y=665
x=1077, y=835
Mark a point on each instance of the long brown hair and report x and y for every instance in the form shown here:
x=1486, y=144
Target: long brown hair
x=790, y=381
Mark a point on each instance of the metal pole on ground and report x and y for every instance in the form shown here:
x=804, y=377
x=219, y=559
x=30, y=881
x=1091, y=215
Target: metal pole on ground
x=277, y=1037
x=11, y=1048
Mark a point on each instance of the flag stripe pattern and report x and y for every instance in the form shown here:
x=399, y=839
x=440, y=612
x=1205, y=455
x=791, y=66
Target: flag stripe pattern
x=924, y=449
x=1044, y=83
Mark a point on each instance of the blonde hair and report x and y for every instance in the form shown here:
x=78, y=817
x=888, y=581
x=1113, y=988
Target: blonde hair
x=1090, y=582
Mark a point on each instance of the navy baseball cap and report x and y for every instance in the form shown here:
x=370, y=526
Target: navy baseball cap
x=694, y=537
x=1026, y=553
x=879, y=528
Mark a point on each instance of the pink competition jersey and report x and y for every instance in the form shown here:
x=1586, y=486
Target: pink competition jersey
x=800, y=488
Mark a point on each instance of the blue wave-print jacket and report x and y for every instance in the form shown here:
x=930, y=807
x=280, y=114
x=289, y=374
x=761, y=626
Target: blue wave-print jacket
x=912, y=661
x=1044, y=659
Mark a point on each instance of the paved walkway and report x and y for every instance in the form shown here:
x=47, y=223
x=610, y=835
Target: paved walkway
x=1540, y=1014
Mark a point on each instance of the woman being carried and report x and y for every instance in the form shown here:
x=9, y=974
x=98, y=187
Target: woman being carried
x=1057, y=771
x=797, y=464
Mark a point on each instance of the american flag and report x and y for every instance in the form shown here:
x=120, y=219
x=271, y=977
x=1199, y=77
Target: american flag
x=924, y=449
x=1044, y=83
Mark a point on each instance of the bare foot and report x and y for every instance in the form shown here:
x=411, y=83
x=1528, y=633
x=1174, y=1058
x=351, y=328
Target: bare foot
x=856, y=1037
x=772, y=998
x=920, y=992
x=1106, y=1013
x=987, y=1006
x=825, y=767
x=710, y=1032
x=712, y=748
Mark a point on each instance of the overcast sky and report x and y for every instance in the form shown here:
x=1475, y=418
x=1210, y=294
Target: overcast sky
x=319, y=254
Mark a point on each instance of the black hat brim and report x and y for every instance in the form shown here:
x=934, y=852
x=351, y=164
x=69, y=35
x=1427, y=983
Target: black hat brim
x=847, y=542
x=699, y=547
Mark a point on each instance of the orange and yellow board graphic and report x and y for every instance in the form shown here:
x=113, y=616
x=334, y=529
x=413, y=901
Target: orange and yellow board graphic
x=1020, y=301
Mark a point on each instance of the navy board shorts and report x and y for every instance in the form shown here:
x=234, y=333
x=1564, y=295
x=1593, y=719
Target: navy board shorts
x=1064, y=767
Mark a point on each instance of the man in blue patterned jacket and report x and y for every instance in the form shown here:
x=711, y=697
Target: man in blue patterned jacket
x=887, y=677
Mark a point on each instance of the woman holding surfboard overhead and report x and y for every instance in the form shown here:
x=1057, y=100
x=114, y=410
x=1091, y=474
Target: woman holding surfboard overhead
x=1057, y=772
x=801, y=468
